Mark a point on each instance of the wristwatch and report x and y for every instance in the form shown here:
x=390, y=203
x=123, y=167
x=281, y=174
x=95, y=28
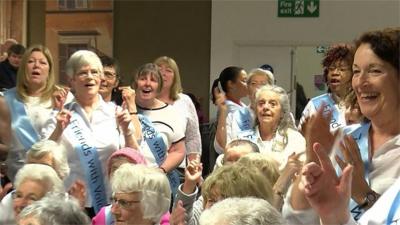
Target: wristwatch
x=369, y=200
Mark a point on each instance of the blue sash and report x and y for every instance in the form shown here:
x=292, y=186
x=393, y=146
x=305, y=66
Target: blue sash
x=20, y=121
x=393, y=208
x=159, y=149
x=109, y=218
x=360, y=135
x=329, y=107
x=80, y=136
x=243, y=118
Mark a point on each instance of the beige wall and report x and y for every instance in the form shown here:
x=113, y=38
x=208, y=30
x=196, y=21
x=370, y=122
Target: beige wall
x=144, y=30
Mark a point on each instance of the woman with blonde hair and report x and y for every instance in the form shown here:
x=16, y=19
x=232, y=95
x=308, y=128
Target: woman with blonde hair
x=171, y=93
x=25, y=108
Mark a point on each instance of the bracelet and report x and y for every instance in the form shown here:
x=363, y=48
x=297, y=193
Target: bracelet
x=133, y=113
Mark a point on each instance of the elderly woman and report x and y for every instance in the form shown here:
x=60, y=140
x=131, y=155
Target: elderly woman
x=171, y=93
x=337, y=73
x=32, y=182
x=25, y=109
x=228, y=181
x=373, y=148
x=141, y=195
x=89, y=128
x=53, y=209
x=243, y=119
x=163, y=131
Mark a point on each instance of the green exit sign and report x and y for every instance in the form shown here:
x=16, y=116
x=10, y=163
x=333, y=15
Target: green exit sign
x=298, y=8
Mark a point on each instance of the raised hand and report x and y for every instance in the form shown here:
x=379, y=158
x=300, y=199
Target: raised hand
x=128, y=97
x=351, y=154
x=328, y=194
x=78, y=191
x=220, y=98
x=123, y=120
x=193, y=174
x=60, y=96
x=178, y=214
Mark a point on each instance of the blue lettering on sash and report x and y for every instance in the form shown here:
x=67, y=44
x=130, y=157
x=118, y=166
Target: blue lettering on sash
x=329, y=107
x=89, y=162
x=158, y=149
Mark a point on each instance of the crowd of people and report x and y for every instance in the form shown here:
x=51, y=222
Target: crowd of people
x=97, y=152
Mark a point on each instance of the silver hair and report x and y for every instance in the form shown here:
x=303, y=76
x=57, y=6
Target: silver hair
x=44, y=174
x=57, y=151
x=286, y=120
x=82, y=58
x=150, y=182
x=55, y=210
x=242, y=211
x=259, y=71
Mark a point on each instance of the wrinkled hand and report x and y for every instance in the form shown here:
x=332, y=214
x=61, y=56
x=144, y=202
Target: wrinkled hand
x=63, y=118
x=128, y=97
x=60, y=96
x=220, y=99
x=123, y=120
x=351, y=154
x=327, y=194
x=78, y=191
x=193, y=174
x=316, y=129
x=178, y=214
x=293, y=166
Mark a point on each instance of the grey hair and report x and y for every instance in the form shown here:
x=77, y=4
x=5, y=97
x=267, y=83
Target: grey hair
x=82, y=58
x=41, y=173
x=259, y=71
x=240, y=142
x=150, y=182
x=242, y=211
x=286, y=120
x=55, y=210
x=57, y=151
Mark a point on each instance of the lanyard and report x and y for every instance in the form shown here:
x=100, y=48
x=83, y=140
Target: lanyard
x=393, y=208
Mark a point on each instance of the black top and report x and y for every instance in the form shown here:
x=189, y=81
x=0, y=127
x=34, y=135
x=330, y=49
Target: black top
x=8, y=75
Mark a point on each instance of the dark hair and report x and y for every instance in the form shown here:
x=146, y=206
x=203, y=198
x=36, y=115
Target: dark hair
x=336, y=53
x=384, y=43
x=17, y=49
x=267, y=67
x=107, y=61
x=230, y=73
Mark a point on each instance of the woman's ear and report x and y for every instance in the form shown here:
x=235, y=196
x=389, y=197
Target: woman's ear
x=230, y=85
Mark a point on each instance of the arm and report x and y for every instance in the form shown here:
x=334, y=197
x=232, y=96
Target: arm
x=220, y=135
x=5, y=128
x=124, y=120
x=192, y=132
x=176, y=154
x=128, y=96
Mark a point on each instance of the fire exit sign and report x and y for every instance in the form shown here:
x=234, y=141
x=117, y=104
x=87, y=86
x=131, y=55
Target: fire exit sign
x=298, y=8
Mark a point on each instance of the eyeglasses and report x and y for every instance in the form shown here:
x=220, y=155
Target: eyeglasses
x=85, y=73
x=109, y=75
x=340, y=68
x=123, y=203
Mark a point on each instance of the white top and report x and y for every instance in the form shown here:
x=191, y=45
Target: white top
x=104, y=134
x=168, y=123
x=295, y=144
x=190, y=123
x=231, y=127
x=6, y=210
x=385, y=170
x=310, y=110
x=38, y=112
x=378, y=213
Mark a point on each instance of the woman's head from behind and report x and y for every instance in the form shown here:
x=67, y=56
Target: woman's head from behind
x=36, y=72
x=49, y=153
x=122, y=156
x=376, y=74
x=171, y=76
x=32, y=182
x=235, y=181
x=233, y=81
x=141, y=195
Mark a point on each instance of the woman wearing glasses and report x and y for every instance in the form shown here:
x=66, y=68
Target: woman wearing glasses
x=337, y=73
x=141, y=195
x=89, y=128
